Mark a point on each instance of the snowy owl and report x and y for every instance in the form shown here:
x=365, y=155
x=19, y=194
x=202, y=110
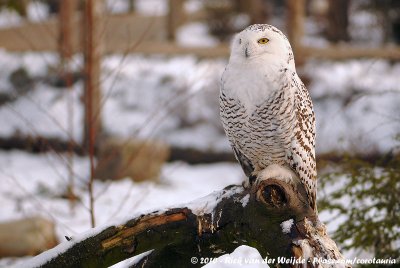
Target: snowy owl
x=266, y=110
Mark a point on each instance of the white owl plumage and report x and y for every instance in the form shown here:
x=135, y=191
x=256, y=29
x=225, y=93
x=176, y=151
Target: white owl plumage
x=266, y=110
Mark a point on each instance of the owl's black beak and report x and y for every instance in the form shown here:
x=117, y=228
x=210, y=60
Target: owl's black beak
x=246, y=52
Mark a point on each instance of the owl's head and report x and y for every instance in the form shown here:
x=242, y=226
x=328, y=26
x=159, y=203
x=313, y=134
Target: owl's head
x=262, y=41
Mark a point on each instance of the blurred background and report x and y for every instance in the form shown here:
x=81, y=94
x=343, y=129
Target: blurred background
x=110, y=108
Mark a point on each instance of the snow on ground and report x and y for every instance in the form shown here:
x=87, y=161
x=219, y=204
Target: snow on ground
x=44, y=112
x=195, y=34
x=243, y=256
x=357, y=105
x=178, y=99
x=9, y=18
x=150, y=7
x=32, y=185
x=35, y=12
x=30, y=181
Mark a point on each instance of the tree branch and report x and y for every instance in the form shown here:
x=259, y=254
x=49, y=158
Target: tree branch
x=208, y=227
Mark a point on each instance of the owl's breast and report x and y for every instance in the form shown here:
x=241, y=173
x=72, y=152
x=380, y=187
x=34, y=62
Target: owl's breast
x=258, y=114
x=263, y=135
x=270, y=136
x=250, y=85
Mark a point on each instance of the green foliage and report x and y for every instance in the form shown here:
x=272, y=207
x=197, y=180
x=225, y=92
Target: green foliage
x=368, y=197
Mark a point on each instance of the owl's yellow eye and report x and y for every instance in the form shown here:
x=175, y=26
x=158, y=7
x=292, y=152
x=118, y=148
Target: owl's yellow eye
x=263, y=41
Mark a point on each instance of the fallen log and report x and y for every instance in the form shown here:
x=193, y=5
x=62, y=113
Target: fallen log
x=272, y=216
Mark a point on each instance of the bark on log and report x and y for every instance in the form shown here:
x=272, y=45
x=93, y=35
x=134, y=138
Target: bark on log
x=208, y=227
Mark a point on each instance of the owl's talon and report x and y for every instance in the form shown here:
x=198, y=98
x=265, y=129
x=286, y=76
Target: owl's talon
x=252, y=179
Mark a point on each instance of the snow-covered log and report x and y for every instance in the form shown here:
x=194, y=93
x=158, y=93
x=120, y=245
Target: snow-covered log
x=271, y=216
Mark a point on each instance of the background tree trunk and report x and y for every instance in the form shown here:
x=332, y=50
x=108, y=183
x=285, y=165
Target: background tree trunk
x=295, y=27
x=66, y=46
x=93, y=31
x=92, y=49
x=338, y=20
x=259, y=11
x=66, y=24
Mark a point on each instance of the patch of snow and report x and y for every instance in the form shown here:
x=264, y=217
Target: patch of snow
x=43, y=112
x=37, y=11
x=117, y=6
x=287, y=226
x=240, y=21
x=332, y=219
x=243, y=256
x=9, y=18
x=365, y=28
x=313, y=29
x=196, y=35
x=207, y=204
x=178, y=100
x=151, y=7
x=347, y=96
x=192, y=6
x=32, y=185
x=31, y=181
x=131, y=261
x=245, y=200
x=305, y=248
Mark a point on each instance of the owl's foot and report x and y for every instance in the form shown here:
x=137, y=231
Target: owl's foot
x=252, y=179
x=249, y=181
x=276, y=171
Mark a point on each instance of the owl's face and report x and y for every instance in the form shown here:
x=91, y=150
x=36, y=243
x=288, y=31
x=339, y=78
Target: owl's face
x=261, y=41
